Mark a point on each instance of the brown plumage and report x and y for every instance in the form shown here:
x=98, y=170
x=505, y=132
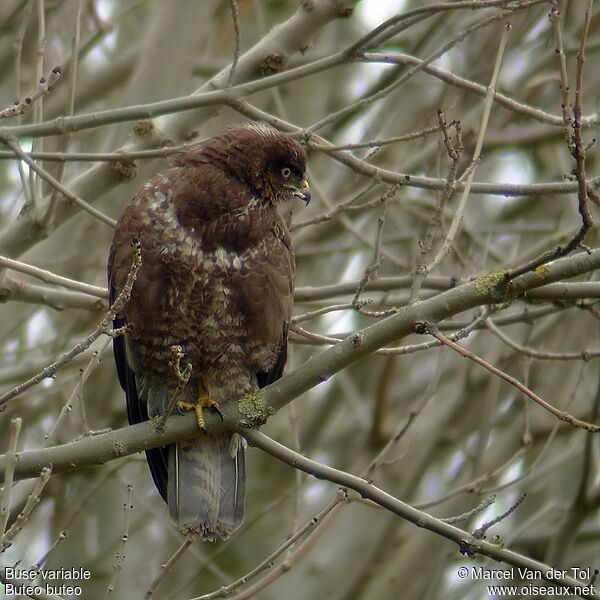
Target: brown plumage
x=217, y=280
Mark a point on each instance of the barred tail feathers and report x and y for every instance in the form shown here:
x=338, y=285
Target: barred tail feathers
x=202, y=480
x=207, y=485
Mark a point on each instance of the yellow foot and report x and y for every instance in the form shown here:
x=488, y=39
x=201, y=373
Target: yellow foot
x=204, y=401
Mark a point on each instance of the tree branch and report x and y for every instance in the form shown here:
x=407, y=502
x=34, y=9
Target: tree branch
x=287, y=38
x=468, y=544
x=254, y=409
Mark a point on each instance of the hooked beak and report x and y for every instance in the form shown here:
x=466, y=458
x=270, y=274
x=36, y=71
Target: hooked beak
x=303, y=192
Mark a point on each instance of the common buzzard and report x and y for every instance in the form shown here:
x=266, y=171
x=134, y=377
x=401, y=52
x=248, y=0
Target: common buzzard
x=209, y=311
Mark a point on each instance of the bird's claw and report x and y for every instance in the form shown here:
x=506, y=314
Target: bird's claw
x=204, y=401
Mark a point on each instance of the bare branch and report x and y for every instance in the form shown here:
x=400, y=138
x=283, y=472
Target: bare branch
x=235, y=16
x=10, y=462
x=102, y=328
x=487, y=108
x=49, y=277
x=68, y=194
x=166, y=567
x=120, y=557
x=32, y=501
x=562, y=415
x=260, y=405
x=45, y=86
x=468, y=544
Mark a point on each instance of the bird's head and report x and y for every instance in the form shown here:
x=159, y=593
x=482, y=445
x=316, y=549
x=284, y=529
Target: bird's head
x=286, y=178
x=284, y=166
x=269, y=161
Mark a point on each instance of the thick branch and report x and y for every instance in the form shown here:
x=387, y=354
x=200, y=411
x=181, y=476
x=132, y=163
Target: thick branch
x=254, y=409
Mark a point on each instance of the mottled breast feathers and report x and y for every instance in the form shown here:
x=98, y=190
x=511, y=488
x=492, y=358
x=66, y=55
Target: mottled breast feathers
x=212, y=247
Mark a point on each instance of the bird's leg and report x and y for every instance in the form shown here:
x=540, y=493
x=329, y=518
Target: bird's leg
x=204, y=401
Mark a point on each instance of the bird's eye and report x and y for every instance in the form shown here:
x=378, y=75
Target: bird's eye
x=286, y=172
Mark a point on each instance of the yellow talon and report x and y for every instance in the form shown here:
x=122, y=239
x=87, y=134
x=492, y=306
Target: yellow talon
x=204, y=401
x=199, y=415
x=183, y=405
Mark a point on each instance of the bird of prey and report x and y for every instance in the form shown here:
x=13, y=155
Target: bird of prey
x=208, y=316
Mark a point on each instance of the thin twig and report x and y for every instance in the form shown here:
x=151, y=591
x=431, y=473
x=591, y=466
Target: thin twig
x=480, y=531
x=50, y=277
x=572, y=122
x=67, y=409
x=485, y=502
x=166, y=567
x=32, y=501
x=321, y=311
x=102, y=328
x=584, y=355
x=339, y=209
x=454, y=148
x=74, y=64
x=371, y=270
x=11, y=461
x=45, y=86
x=14, y=146
x=182, y=374
x=120, y=558
x=294, y=419
x=35, y=183
x=567, y=113
x=27, y=192
x=487, y=108
x=400, y=350
x=269, y=560
x=235, y=15
x=406, y=137
x=562, y=415
x=475, y=486
x=62, y=535
x=18, y=45
x=164, y=152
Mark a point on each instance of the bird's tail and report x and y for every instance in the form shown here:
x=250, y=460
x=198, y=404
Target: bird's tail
x=206, y=488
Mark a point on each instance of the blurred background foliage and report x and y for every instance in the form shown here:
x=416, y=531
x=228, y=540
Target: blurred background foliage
x=470, y=434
